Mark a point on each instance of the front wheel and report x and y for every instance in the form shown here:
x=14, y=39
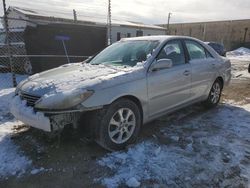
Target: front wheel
x=119, y=125
x=214, y=95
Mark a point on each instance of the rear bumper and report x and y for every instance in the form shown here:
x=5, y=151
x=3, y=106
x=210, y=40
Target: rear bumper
x=28, y=116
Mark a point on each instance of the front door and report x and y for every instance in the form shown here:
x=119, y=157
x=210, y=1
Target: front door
x=169, y=88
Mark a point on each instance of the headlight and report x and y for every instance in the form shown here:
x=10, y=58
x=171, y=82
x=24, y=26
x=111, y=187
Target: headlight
x=63, y=100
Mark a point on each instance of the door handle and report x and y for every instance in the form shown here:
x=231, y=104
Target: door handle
x=186, y=73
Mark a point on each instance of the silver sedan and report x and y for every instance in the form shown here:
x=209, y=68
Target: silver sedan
x=126, y=85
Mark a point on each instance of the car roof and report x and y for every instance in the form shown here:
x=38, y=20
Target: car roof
x=165, y=38
x=160, y=38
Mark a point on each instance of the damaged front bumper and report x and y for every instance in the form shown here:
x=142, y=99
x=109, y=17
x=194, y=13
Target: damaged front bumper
x=48, y=121
x=27, y=115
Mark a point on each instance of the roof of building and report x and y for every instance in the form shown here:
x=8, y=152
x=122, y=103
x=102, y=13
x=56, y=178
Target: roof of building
x=158, y=38
x=206, y=22
x=64, y=17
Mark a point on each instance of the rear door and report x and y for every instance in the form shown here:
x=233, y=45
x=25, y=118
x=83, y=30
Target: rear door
x=169, y=88
x=203, y=68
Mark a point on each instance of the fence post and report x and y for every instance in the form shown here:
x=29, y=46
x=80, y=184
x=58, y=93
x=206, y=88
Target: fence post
x=6, y=25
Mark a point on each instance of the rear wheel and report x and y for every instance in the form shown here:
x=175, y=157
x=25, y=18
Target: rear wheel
x=119, y=125
x=214, y=95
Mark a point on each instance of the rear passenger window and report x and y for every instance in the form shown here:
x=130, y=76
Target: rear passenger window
x=195, y=50
x=174, y=51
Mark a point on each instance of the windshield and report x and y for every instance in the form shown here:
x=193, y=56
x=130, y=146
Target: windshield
x=125, y=53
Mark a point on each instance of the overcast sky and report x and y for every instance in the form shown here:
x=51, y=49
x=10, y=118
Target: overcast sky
x=151, y=12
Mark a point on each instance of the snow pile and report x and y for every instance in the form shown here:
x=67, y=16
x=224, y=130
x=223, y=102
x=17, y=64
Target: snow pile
x=240, y=54
x=211, y=150
x=240, y=69
x=12, y=162
x=240, y=59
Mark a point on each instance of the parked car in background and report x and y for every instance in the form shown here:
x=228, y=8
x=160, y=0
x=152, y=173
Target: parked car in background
x=219, y=48
x=131, y=82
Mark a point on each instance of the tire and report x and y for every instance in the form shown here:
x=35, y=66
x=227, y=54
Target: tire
x=114, y=132
x=214, y=94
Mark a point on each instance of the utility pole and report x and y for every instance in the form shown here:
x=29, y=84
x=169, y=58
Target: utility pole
x=75, y=16
x=10, y=57
x=245, y=34
x=168, y=27
x=109, y=25
x=204, y=31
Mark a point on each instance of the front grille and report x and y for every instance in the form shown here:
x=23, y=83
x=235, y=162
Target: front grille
x=30, y=99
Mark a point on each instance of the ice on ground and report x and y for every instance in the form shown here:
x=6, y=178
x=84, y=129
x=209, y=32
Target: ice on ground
x=132, y=182
x=213, y=150
x=37, y=170
x=12, y=161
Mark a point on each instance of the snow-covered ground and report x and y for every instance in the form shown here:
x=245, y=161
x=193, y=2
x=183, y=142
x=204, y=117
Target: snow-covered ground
x=240, y=59
x=210, y=150
x=12, y=160
x=6, y=80
x=206, y=149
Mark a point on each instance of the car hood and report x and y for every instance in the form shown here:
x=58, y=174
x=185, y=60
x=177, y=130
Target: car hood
x=79, y=76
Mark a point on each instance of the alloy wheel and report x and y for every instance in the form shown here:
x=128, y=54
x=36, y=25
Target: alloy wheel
x=122, y=125
x=215, y=93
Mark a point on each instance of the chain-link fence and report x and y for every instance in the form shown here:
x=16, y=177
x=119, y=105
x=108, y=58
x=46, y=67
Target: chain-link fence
x=24, y=51
x=13, y=60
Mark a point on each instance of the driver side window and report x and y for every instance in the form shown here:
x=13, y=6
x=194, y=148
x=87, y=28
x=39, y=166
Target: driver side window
x=173, y=50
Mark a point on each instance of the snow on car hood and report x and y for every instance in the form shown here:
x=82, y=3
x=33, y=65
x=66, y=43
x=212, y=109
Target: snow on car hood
x=80, y=75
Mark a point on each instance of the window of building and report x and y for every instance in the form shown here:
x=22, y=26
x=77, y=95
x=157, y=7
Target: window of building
x=128, y=35
x=118, y=36
x=139, y=33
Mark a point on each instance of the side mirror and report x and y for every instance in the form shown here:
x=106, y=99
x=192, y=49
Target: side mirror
x=162, y=64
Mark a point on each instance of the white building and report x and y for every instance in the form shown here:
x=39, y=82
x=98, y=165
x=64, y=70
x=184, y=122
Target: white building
x=21, y=17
